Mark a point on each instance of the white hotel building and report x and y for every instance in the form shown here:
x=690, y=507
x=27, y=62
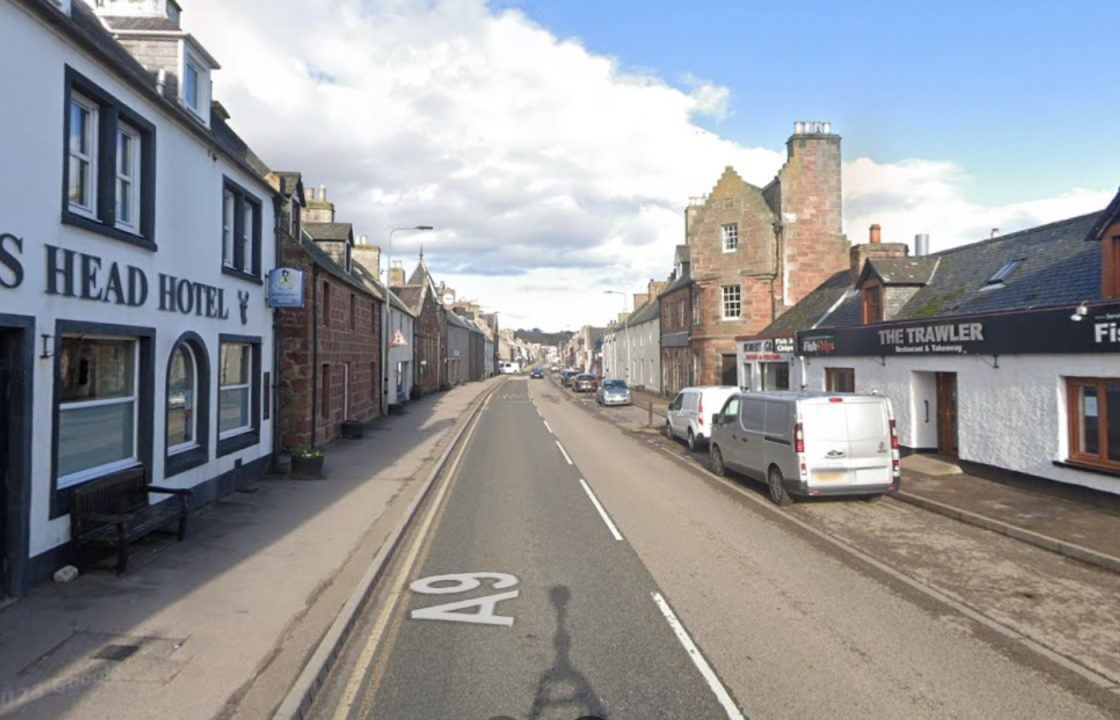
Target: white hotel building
x=135, y=231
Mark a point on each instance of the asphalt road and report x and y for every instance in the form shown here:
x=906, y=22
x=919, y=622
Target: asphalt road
x=785, y=626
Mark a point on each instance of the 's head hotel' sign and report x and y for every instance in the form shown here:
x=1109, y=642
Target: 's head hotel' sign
x=1021, y=333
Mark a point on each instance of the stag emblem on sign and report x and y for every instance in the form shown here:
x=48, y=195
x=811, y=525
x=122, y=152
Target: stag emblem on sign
x=243, y=300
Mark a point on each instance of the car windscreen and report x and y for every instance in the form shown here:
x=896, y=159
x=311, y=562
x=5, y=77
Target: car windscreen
x=614, y=384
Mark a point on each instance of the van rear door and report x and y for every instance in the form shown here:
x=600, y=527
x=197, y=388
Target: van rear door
x=847, y=441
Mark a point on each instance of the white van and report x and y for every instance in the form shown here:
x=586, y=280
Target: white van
x=809, y=443
x=689, y=415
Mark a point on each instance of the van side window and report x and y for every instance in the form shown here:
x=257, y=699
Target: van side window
x=677, y=402
x=752, y=414
x=778, y=420
x=730, y=409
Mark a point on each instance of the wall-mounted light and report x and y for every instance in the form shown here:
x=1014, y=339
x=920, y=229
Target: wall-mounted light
x=1079, y=313
x=45, y=353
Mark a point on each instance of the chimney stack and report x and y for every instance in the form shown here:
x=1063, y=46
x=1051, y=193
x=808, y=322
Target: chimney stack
x=875, y=248
x=318, y=209
x=875, y=235
x=396, y=274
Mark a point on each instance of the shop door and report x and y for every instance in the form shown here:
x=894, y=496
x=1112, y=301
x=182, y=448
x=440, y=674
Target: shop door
x=947, y=413
x=728, y=374
x=6, y=371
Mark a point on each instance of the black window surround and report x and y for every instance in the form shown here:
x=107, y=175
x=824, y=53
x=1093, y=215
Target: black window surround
x=175, y=463
x=241, y=198
x=111, y=113
x=253, y=436
x=145, y=386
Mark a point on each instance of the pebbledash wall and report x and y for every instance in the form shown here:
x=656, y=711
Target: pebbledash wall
x=63, y=286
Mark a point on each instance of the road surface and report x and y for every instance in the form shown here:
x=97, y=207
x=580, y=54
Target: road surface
x=564, y=569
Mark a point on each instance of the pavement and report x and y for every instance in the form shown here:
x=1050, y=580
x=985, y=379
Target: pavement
x=536, y=587
x=1077, y=529
x=221, y=624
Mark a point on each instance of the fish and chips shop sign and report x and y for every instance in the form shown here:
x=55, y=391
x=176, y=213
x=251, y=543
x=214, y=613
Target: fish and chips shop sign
x=768, y=349
x=1097, y=329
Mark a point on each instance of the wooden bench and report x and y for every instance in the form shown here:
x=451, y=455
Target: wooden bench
x=113, y=511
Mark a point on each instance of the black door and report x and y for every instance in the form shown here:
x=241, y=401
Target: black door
x=5, y=455
x=947, y=413
x=728, y=375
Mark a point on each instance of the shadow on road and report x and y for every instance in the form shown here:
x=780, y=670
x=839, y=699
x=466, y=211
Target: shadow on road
x=562, y=685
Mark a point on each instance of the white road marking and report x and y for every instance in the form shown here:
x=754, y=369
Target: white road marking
x=548, y=427
x=698, y=660
x=602, y=511
x=565, y=452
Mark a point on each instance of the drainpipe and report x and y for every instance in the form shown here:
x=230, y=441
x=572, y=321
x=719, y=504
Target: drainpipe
x=314, y=348
x=277, y=332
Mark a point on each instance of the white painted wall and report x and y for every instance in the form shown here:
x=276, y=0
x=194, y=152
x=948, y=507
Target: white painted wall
x=188, y=233
x=399, y=320
x=1012, y=417
x=634, y=354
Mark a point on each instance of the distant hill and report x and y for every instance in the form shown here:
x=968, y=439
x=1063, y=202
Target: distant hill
x=536, y=335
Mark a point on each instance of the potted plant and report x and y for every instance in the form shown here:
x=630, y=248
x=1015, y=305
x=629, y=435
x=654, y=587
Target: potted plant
x=352, y=430
x=307, y=461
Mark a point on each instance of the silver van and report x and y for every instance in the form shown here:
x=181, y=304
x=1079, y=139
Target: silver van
x=809, y=443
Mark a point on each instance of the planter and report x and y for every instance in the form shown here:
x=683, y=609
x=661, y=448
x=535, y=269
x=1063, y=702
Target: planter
x=353, y=430
x=308, y=467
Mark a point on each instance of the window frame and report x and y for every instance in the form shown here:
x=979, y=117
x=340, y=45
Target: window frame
x=134, y=178
x=245, y=436
x=834, y=374
x=729, y=237
x=244, y=245
x=193, y=442
x=1076, y=455
x=724, y=300
x=110, y=115
x=873, y=309
x=177, y=459
x=89, y=158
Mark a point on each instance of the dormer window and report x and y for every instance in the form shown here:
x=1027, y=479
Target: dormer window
x=194, y=90
x=872, y=304
x=190, y=85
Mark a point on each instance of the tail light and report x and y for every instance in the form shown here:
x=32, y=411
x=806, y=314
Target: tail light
x=700, y=411
x=894, y=436
x=798, y=439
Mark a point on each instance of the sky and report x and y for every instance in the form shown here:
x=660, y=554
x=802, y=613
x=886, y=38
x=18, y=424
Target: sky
x=554, y=144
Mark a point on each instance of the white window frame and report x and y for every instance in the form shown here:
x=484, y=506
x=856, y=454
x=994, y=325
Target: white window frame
x=76, y=478
x=90, y=158
x=247, y=385
x=194, y=442
x=729, y=236
x=190, y=64
x=731, y=295
x=246, y=238
x=229, y=215
x=132, y=177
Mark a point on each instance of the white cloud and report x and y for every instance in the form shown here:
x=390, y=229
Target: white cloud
x=550, y=173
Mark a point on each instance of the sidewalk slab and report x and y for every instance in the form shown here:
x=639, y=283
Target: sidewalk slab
x=182, y=633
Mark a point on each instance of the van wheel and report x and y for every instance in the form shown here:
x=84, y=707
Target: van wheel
x=778, y=492
x=871, y=498
x=692, y=443
x=717, y=461
x=668, y=430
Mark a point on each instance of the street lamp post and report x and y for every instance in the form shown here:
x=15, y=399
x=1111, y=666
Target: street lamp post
x=387, y=315
x=625, y=330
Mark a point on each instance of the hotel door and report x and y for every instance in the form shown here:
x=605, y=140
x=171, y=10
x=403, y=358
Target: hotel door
x=947, y=413
x=6, y=474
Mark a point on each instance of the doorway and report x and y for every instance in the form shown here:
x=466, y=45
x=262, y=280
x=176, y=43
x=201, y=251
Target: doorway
x=729, y=373
x=6, y=472
x=947, y=440
x=15, y=444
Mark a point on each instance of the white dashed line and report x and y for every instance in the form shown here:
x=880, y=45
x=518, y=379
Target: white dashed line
x=698, y=660
x=565, y=452
x=602, y=512
x=548, y=427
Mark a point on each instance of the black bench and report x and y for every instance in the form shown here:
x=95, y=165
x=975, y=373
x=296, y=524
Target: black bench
x=113, y=511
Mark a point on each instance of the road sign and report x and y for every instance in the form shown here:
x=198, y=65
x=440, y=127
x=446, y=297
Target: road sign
x=398, y=340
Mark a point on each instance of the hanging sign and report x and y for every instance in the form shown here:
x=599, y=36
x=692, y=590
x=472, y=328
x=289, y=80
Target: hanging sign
x=285, y=288
x=398, y=340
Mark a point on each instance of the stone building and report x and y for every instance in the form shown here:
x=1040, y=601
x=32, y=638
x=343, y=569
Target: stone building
x=430, y=350
x=676, y=314
x=632, y=346
x=754, y=252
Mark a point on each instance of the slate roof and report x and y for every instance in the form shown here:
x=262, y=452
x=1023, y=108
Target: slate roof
x=684, y=279
x=326, y=262
x=1108, y=216
x=289, y=181
x=1058, y=267
x=329, y=232
x=148, y=24
x=904, y=271
x=412, y=296
x=650, y=311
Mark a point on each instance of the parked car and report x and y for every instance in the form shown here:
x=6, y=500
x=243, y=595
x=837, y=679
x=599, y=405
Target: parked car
x=809, y=443
x=686, y=419
x=567, y=375
x=585, y=383
x=613, y=391
x=536, y=373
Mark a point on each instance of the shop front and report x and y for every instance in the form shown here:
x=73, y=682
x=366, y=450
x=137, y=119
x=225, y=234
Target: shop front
x=765, y=363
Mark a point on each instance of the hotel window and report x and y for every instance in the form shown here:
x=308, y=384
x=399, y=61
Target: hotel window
x=82, y=165
x=191, y=76
x=839, y=379
x=109, y=165
x=1094, y=421
x=97, y=407
x=194, y=91
x=182, y=398
x=234, y=389
x=873, y=304
x=241, y=231
x=732, y=302
x=730, y=235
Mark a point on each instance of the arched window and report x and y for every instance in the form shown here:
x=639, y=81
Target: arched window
x=182, y=400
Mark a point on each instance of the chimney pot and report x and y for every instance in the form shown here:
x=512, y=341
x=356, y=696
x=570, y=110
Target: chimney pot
x=875, y=237
x=827, y=128
x=322, y=192
x=995, y=231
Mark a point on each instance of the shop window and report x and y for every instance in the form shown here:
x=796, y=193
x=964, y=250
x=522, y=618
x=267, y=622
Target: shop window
x=97, y=407
x=839, y=379
x=1094, y=421
x=775, y=376
x=239, y=392
x=241, y=232
x=182, y=397
x=109, y=165
x=872, y=304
